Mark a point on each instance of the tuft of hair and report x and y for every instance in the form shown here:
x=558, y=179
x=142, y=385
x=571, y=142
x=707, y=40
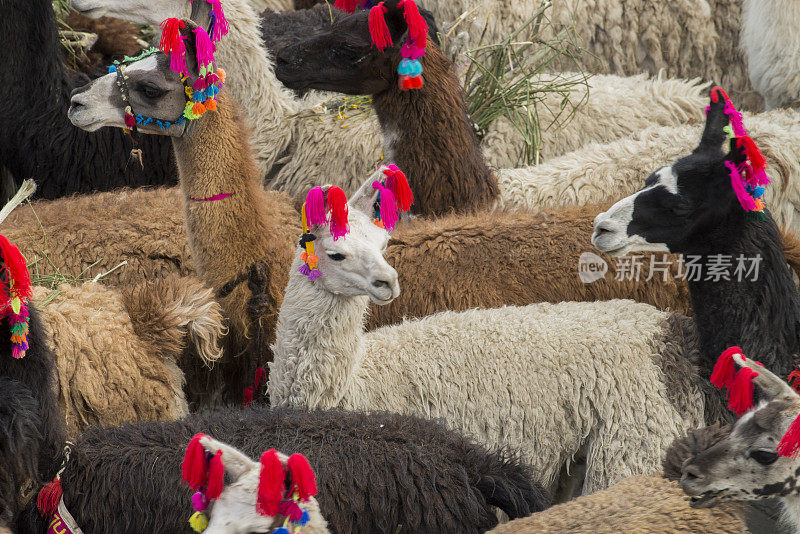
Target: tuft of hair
x=689, y=446
x=506, y=483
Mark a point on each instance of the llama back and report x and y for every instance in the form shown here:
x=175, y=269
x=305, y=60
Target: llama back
x=576, y=388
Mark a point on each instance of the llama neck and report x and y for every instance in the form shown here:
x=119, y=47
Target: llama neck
x=758, y=315
x=265, y=101
x=226, y=235
x=428, y=134
x=318, y=343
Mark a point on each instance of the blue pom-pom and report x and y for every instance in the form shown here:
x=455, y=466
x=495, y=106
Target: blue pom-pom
x=409, y=67
x=281, y=530
x=758, y=192
x=212, y=91
x=304, y=519
x=112, y=68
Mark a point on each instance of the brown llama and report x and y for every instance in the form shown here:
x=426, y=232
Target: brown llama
x=453, y=175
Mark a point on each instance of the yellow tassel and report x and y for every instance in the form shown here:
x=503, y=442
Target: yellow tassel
x=198, y=521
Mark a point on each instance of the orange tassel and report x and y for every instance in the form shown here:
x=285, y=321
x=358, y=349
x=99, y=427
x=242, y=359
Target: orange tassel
x=198, y=108
x=221, y=74
x=211, y=105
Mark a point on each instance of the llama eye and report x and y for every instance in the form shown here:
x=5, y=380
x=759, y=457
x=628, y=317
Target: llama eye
x=335, y=256
x=151, y=91
x=764, y=457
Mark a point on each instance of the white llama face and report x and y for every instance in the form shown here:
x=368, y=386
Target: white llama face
x=153, y=90
x=354, y=264
x=139, y=11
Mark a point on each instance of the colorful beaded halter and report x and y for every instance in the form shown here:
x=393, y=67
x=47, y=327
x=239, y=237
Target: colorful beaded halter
x=410, y=68
x=15, y=292
x=200, y=95
x=748, y=178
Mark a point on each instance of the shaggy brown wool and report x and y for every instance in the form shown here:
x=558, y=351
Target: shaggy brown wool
x=227, y=237
x=115, y=38
x=430, y=137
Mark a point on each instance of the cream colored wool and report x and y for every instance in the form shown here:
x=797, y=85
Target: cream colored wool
x=276, y=5
x=693, y=38
x=641, y=505
x=598, y=172
x=543, y=379
x=616, y=107
x=109, y=374
x=770, y=40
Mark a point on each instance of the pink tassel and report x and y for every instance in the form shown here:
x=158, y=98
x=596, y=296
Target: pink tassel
x=314, y=274
x=291, y=510
x=789, y=445
x=725, y=368
x=302, y=476
x=172, y=45
x=740, y=396
x=315, y=207
x=747, y=202
x=205, y=48
x=417, y=27
x=305, y=270
x=736, y=119
x=388, y=209
x=348, y=6
x=378, y=30
x=337, y=204
x=220, y=22
x=758, y=162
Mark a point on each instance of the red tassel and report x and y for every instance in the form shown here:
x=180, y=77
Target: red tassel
x=337, y=204
x=794, y=379
x=757, y=161
x=397, y=183
x=249, y=391
x=789, y=445
x=270, y=484
x=303, y=476
x=171, y=35
x=49, y=497
x=417, y=27
x=715, y=96
x=17, y=268
x=216, y=476
x=348, y=6
x=378, y=30
x=740, y=396
x=195, y=471
x=725, y=369
x=261, y=376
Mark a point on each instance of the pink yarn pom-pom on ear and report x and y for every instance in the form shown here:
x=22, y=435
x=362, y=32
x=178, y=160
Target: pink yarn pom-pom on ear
x=315, y=207
x=388, y=206
x=378, y=30
x=270, y=484
x=205, y=48
x=417, y=27
x=789, y=445
x=737, y=182
x=221, y=25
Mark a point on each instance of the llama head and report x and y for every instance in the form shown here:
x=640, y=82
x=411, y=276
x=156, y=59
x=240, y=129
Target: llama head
x=707, y=193
x=757, y=460
x=156, y=92
x=138, y=11
x=342, y=246
x=345, y=57
x=261, y=496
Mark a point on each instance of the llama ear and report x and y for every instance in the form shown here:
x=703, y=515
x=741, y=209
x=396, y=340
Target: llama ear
x=716, y=120
x=236, y=462
x=769, y=383
x=364, y=198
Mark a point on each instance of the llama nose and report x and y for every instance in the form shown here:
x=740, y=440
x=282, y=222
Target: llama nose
x=692, y=473
x=381, y=283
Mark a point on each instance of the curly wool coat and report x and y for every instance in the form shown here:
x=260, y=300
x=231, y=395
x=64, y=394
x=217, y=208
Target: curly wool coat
x=375, y=472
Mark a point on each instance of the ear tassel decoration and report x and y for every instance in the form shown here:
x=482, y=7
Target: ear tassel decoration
x=725, y=369
x=220, y=24
x=378, y=30
x=337, y=204
x=737, y=182
x=194, y=469
x=303, y=479
x=270, y=484
x=205, y=473
x=310, y=260
x=315, y=207
x=172, y=45
x=49, y=496
x=387, y=212
x=417, y=27
x=348, y=6
x=15, y=293
x=789, y=445
x=740, y=395
x=397, y=183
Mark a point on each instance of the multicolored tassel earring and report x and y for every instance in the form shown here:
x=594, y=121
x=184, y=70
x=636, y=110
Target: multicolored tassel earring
x=205, y=473
x=15, y=293
x=317, y=211
x=273, y=498
x=410, y=68
x=394, y=196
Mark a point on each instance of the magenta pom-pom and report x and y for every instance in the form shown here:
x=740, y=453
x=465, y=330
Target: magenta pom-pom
x=205, y=48
x=199, y=502
x=737, y=182
x=410, y=51
x=314, y=274
x=315, y=207
x=736, y=119
x=291, y=510
x=388, y=206
x=177, y=60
